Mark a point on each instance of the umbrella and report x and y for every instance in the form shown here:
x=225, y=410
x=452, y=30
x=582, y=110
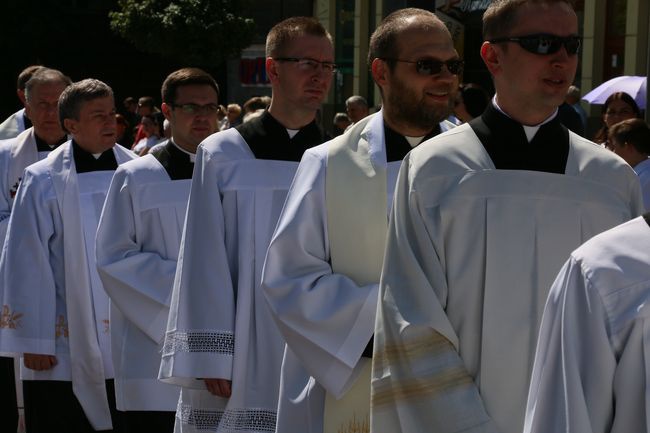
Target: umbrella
x=632, y=85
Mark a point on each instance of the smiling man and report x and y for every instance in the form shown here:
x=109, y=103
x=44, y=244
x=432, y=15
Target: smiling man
x=138, y=239
x=483, y=218
x=220, y=337
x=51, y=287
x=322, y=269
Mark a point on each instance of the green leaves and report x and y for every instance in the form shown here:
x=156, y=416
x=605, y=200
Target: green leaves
x=193, y=32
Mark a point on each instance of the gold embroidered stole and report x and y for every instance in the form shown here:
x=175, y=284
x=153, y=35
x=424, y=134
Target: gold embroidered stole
x=357, y=223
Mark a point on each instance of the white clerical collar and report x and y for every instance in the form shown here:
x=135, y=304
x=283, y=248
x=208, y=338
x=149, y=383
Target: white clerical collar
x=292, y=132
x=529, y=130
x=191, y=155
x=97, y=155
x=414, y=141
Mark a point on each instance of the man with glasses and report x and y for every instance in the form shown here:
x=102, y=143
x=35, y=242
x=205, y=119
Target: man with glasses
x=483, y=217
x=221, y=343
x=322, y=269
x=138, y=239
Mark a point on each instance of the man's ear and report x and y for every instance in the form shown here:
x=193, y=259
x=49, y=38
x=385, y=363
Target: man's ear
x=491, y=57
x=166, y=111
x=21, y=96
x=70, y=125
x=379, y=69
x=271, y=69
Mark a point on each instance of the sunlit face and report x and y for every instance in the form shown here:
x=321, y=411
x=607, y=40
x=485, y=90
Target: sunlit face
x=412, y=98
x=43, y=112
x=303, y=89
x=617, y=111
x=95, y=129
x=189, y=130
x=534, y=83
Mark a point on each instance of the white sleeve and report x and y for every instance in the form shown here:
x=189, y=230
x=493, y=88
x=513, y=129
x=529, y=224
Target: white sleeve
x=326, y=318
x=137, y=281
x=419, y=381
x=572, y=385
x=199, y=342
x=28, y=284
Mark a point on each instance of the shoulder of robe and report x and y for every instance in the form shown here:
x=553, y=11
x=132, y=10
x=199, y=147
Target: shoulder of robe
x=225, y=145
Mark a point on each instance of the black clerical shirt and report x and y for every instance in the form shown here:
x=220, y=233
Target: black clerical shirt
x=505, y=141
x=85, y=162
x=397, y=146
x=42, y=146
x=176, y=163
x=268, y=139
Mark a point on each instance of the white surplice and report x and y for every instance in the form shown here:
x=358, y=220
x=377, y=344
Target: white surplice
x=471, y=254
x=219, y=325
x=326, y=318
x=592, y=367
x=51, y=288
x=15, y=155
x=12, y=125
x=137, y=248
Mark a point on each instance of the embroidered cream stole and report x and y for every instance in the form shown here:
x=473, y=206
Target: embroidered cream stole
x=357, y=225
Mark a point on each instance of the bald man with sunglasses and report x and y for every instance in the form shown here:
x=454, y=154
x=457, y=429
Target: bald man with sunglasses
x=322, y=268
x=483, y=217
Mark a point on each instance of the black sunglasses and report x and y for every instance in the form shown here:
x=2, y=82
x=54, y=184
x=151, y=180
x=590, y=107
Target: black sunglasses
x=433, y=66
x=544, y=43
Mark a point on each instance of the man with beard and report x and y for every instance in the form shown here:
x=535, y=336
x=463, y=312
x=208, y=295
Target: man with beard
x=51, y=288
x=483, y=218
x=323, y=264
x=138, y=239
x=220, y=335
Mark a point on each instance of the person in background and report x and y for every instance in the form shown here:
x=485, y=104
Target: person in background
x=630, y=139
x=19, y=121
x=341, y=121
x=470, y=102
x=146, y=107
x=233, y=113
x=153, y=134
x=573, y=99
x=122, y=126
x=618, y=106
x=356, y=107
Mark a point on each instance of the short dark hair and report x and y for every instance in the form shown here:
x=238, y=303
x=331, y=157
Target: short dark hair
x=45, y=75
x=26, y=74
x=501, y=15
x=146, y=101
x=77, y=93
x=634, y=132
x=383, y=42
x=281, y=35
x=185, y=77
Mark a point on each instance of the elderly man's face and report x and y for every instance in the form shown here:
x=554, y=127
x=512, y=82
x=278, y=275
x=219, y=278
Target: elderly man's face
x=95, y=130
x=42, y=111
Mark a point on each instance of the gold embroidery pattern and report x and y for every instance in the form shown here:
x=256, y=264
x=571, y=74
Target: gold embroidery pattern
x=9, y=319
x=106, y=326
x=355, y=426
x=61, y=327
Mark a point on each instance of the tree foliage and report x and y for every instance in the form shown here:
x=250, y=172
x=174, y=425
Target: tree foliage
x=194, y=32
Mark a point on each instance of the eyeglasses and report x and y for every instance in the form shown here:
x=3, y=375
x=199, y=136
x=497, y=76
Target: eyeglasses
x=434, y=66
x=543, y=43
x=306, y=64
x=195, y=109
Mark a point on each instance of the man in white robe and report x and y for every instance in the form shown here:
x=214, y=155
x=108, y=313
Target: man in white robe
x=19, y=121
x=592, y=366
x=482, y=218
x=51, y=290
x=220, y=335
x=138, y=240
x=322, y=269
x=41, y=95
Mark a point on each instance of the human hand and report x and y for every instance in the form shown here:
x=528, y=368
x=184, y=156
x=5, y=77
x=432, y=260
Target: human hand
x=35, y=361
x=219, y=387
